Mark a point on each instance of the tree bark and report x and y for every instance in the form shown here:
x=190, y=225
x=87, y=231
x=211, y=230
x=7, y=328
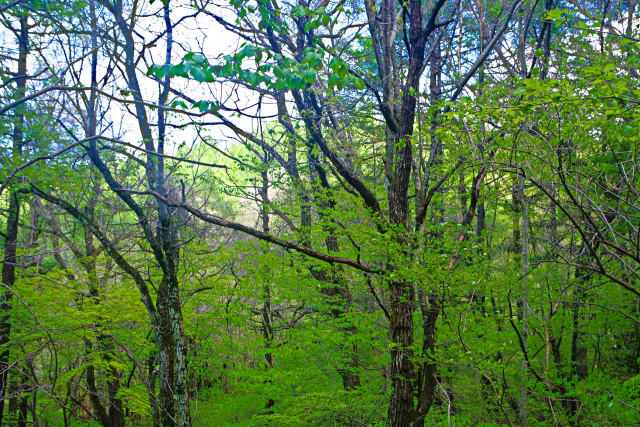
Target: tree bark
x=11, y=239
x=522, y=404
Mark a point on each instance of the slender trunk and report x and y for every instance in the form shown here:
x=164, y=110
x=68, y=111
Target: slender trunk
x=267, y=323
x=113, y=414
x=11, y=235
x=428, y=372
x=23, y=411
x=94, y=395
x=522, y=405
x=337, y=289
x=547, y=41
x=340, y=297
x=578, y=348
x=8, y=279
x=579, y=368
x=155, y=404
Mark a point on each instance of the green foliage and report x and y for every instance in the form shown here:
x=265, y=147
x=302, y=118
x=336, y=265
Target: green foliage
x=546, y=158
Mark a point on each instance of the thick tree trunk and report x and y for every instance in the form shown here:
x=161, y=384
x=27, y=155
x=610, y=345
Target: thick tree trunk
x=402, y=295
x=172, y=255
x=401, y=404
x=181, y=367
x=167, y=351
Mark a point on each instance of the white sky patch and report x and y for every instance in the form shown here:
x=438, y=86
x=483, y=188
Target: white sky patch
x=201, y=34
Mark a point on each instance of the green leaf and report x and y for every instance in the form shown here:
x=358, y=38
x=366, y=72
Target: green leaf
x=198, y=74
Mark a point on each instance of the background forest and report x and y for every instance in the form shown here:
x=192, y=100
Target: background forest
x=319, y=212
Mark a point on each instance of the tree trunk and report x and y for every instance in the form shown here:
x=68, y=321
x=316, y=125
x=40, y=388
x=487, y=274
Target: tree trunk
x=167, y=351
x=169, y=243
x=428, y=372
x=11, y=238
x=23, y=411
x=522, y=404
x=337, y=290
x=579, y=353
x=401, y=404
x=267, y=319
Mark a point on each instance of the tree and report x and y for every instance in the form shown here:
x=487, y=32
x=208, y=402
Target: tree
x=361, y=213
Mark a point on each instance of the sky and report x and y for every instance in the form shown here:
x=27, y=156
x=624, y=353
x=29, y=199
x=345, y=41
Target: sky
x=200, y=34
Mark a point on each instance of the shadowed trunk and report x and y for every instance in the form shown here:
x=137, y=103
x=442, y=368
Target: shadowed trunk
x=11, y=235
